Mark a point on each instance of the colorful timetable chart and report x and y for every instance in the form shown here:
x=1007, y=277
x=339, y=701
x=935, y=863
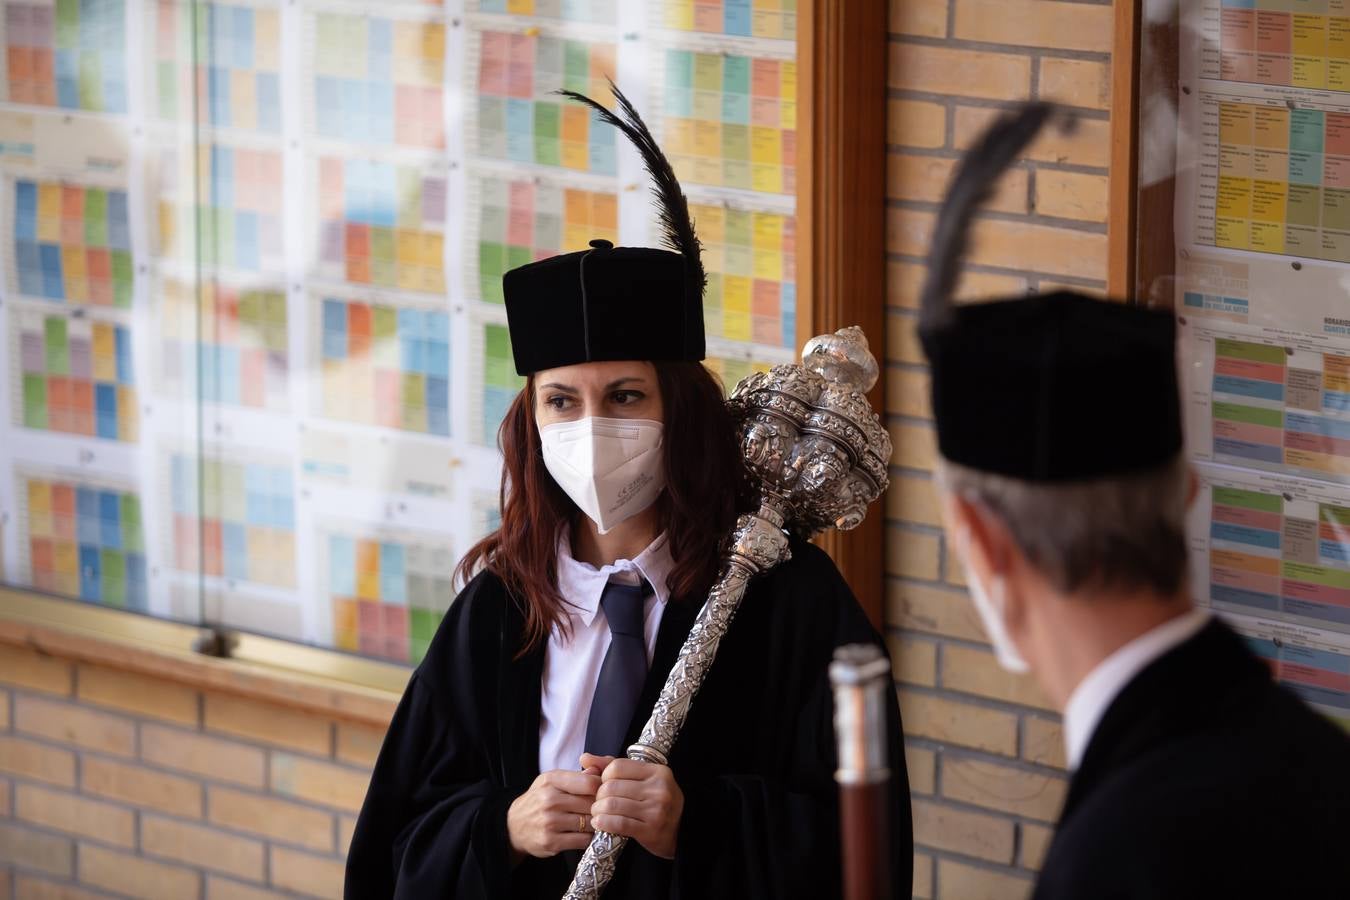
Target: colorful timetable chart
x=83, y=539
x=67, y=53
x=72, y=243
x=379, y=80
x=1282, y=184
x=500, y=383
x=730, y=370
x=1276, y=406
x=1275, y=546
x=520, y=119
x=776, y=19
x=523, y=220
x=382, y=224
x=232, y=518
x=598, y=12
x=75, y=376
x=389, y=591
x=1297, y=43
x=750, y=258
x=730, y=120
x=1317, y=671
x=239, y=212
x=234, y=337
x=385, y=365
x=233, y=67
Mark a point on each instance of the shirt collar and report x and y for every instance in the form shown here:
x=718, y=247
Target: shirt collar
x=1094, y=694
x=582, y=583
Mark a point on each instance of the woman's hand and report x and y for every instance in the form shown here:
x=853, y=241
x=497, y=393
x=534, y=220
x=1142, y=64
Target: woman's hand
x=553, y=815
x=638, y=800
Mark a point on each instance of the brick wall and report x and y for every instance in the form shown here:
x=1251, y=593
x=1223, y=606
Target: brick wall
x=985, y=750
x=115, y=784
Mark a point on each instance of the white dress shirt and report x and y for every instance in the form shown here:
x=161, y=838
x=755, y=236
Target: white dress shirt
x=1094, y=694
x=572, y=665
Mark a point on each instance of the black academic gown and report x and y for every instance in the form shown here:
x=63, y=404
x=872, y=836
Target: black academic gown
x=755, y=760
x=1203, y=780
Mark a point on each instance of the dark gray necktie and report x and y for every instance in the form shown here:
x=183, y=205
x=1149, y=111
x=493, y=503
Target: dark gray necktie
x=623, y=671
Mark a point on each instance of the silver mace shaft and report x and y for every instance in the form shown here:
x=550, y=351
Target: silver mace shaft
x=818, y=454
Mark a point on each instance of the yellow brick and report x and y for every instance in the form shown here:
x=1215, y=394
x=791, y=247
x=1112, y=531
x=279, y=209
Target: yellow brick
x=904, y=280
x=908, y=393
x=914, y=500
x=926, y=18
x=925, y=178
x=269, y=724
x=4, y=710
x=911, y=555
x=218, y=888
x=75, y=725
x=74, y=815
x=34, y=850
x=1035, y=841
x=933, y=610
x=1033, y=795
x=317, y=782
x=1011, y=244
x=1043, y=742
x=1076, y=82
x=148, y=697
x=962, y=882
x=965, y=73
x=358, y=744
x=207, y=848
x=6, y=809
x=913, y=659
x=954, y=573
x=922, y=767
x=910, y=231
x=31, y=887
x=902, y=340
x=923, y=876
x=206, y=756
x=977, y=672
x=136, y=877
x=953, y=722
x=28, y=669
x=1071, y=195
x=1089, y=144
x=41, y=762
x=305, y=874
x=970, y=833
x=1035, y=23
x=915, y=446
x=278, y=819
x=916, y=123
x=346, y=825
x=141, y=787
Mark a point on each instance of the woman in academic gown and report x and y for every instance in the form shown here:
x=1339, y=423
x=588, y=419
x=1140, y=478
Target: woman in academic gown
x=621, y=483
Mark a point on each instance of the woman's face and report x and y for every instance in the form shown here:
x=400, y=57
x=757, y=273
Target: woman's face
x=610, y=390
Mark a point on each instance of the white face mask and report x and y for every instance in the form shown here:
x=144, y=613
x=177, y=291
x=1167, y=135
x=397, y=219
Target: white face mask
x=611, y=468
x=990, y=606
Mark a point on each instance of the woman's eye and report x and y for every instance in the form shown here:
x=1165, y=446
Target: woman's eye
x=557, y=402
x=626, y=398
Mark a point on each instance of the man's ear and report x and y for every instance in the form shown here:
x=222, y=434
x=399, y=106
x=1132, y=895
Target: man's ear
x=979, y=534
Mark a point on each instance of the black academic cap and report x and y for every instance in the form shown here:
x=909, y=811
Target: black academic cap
x=1043, y=388
x=613, y=303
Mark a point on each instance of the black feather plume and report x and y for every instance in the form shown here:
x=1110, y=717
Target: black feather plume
x=971, y=186
x=677, y=228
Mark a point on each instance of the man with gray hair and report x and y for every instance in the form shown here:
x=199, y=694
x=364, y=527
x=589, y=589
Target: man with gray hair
x=1064, y=489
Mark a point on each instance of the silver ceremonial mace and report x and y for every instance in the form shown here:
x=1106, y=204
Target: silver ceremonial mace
x=817, y=454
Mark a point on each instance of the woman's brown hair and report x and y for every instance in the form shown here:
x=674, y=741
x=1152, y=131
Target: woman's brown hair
x=705, y=490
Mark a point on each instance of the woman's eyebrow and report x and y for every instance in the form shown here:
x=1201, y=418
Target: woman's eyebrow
x=619, y=382
x=555, y=386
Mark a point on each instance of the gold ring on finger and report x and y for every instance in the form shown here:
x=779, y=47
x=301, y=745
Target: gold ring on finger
x=581, y=822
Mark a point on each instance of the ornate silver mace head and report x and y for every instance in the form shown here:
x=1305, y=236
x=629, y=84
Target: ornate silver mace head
x=809, y=437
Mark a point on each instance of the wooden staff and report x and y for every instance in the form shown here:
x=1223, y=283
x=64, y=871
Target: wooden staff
x=861, y=675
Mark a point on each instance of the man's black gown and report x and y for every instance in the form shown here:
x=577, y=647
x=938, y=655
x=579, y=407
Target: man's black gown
x=755, y=760
x=1205, y=779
